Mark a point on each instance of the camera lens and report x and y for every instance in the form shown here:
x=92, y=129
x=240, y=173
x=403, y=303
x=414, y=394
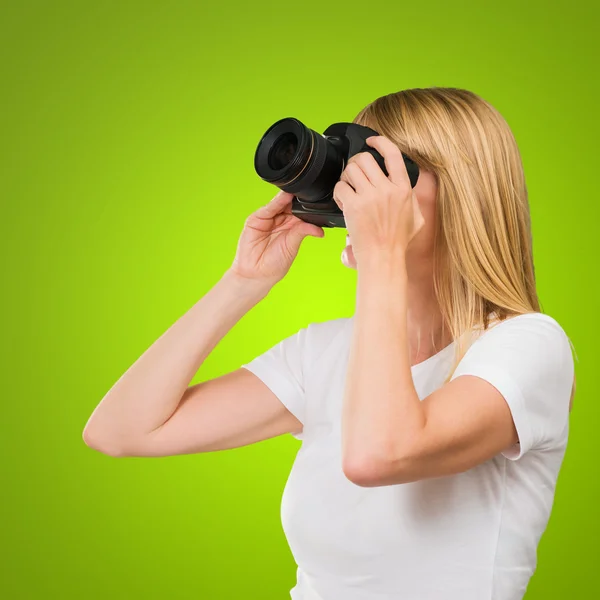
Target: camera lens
x=283, y=150
x=299, y=160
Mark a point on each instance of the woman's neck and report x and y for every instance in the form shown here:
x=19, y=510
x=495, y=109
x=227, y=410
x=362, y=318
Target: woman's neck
x=426, y=334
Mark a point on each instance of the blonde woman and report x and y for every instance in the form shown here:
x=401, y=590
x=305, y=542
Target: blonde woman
x=434, y=421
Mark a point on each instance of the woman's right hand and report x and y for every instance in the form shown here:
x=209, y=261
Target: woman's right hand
x=270, y=241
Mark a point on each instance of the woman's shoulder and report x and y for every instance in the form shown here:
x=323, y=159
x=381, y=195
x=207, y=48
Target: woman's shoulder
x=321, y=336
x=532, y=323
x=320, y=331
x=529, y=337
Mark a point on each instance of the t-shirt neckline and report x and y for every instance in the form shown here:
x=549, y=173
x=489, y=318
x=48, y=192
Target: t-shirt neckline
x=434, y=357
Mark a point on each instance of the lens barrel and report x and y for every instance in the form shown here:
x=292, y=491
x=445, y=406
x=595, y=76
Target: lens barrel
x=299, y=160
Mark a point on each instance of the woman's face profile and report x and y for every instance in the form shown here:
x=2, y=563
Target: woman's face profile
x=422, y=243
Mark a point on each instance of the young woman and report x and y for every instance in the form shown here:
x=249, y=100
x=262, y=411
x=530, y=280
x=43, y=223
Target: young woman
x=434, y=421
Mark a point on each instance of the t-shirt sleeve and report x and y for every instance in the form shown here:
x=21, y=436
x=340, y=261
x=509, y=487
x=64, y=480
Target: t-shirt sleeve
x=528, y=359
x=281, y=368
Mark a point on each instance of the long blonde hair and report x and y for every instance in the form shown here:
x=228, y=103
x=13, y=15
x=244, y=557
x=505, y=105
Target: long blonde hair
x=483, y=247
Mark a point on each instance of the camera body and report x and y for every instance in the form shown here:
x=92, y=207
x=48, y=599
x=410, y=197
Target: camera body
x=307, y=164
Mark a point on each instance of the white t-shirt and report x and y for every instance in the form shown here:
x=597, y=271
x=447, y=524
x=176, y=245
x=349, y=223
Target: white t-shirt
x=470, y=536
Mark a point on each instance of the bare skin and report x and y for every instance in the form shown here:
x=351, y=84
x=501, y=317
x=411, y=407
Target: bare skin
x=424, y=316
x=153, y=411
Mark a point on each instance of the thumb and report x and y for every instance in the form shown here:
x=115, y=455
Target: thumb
x=315, y=231
x=301, y=230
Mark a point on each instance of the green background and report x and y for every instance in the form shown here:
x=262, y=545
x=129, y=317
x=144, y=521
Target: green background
x=128, y=131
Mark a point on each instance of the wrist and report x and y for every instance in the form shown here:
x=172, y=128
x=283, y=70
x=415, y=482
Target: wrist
x=245, y=286
x=387, y=264
x=382, y=286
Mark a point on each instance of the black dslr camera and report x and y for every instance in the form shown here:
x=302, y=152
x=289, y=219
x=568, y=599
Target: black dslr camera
x=307, y=164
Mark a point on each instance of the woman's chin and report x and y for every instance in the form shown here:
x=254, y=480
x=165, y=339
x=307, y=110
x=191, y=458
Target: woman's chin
x=348, y=259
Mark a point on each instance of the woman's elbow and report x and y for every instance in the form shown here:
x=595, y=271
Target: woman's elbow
x=102, y=443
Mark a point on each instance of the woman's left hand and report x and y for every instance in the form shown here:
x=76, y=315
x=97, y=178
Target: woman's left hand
x=382, y=213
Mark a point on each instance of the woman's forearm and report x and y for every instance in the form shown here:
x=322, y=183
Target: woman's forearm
x=148, y=393
x=381, y=406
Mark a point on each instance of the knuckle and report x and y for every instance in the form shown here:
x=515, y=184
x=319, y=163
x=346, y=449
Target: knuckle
x=359, y=158
x=403, y=190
